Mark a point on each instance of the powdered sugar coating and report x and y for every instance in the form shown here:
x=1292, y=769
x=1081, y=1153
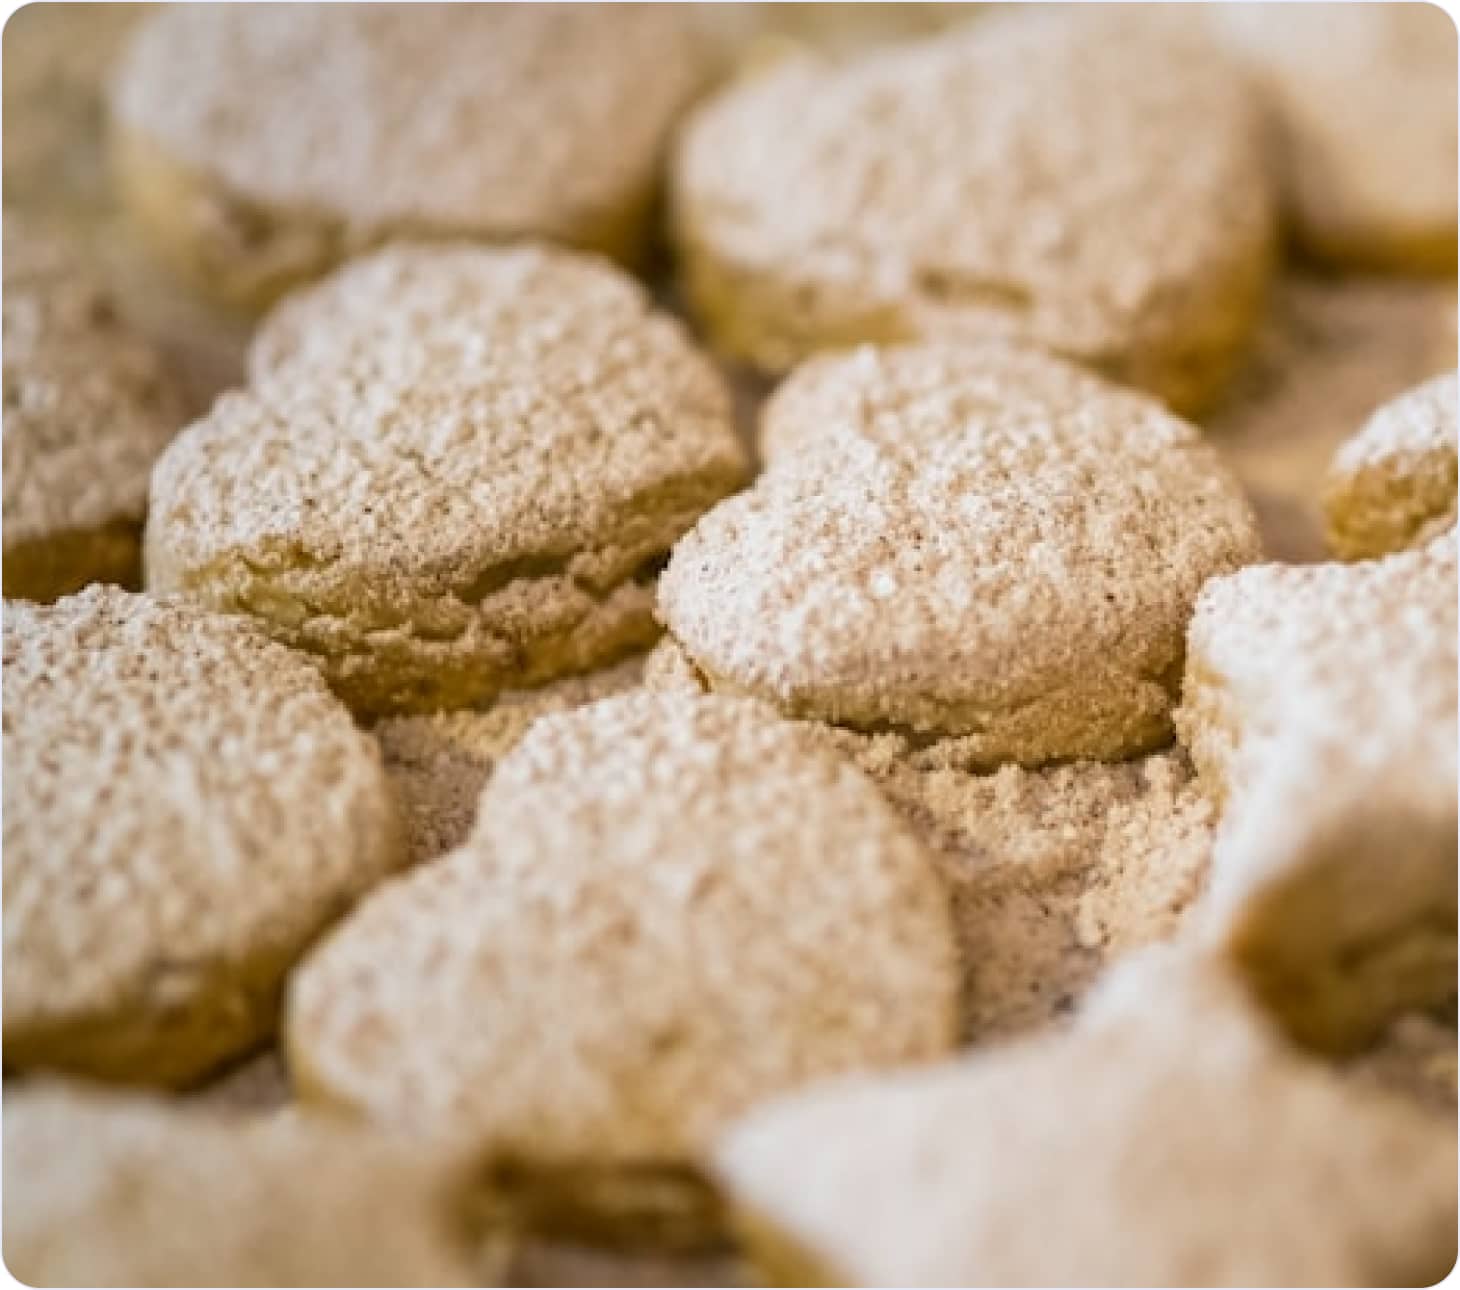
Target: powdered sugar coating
x=1172, y=1142
x=1393, y=484
x=978, y=542
x=995, y=181
x=88, y=407
x=668, y=909
x=456, y=474
x=185, y=808
x=494, y=120
x=120, y=1190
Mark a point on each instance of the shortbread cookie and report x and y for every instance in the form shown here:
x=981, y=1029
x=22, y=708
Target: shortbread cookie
x=459, y=474
x=259, y=146
x=1415, y=1058
x=1392, y=485
x=88, y=406
x=1321, y=702
x=131, y=1191
x=257, y=1086
x=1096, y=186
x=1365, y=104
x=186, y=806
x=440, y=763
x=980, y=544
x=1168, y=1141
x=668, y=909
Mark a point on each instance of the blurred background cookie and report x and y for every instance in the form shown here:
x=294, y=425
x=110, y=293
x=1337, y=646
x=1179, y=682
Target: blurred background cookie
x=463, y=480
x=260, y=145
x=995, y=181
x=88, y=407
x=186, y=806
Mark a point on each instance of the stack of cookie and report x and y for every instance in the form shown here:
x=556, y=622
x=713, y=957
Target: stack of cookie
x=698, y=709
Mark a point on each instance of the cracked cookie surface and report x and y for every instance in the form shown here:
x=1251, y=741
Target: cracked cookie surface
x=457, y=473
x=994, y=182
x=979, y=545
x=186, y=806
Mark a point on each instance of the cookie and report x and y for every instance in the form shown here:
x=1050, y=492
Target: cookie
x=1168, y=1141
x=1320, y=702
x=112, y=1190
x=440, y=763
x=1095, y=186
x=458, y=473
x=186, y=807
x=978, y=544
x=259, y=147
x=1365, y=106
x=88, y=407
x=1055, y=873
x=1392, y=485
x=668, y=909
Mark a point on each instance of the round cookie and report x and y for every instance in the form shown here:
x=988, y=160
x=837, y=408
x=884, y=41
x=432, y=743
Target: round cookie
x=108, y=1190
x=980, y=544
x=459, y=472
x=88, y=406
x=1168, y=1139
x=1392, y=486
x=259, y=146
x=1096, y=186
x=186, y=806
x=1365, y=99
x=669, y=908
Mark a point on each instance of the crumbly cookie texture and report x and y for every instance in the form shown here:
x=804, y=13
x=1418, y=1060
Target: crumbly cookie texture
x=1392, y=486
x=88, y=407
x=491, y=122
x=114, y=1190
x=1320, y=701
x=1055, y=873
x=979, y=542
x=669, y=908
x=186, y=807
x=1366, y=127
x=992, y=182
x=1168, y=1140
x=440, y=763
x=458, y=473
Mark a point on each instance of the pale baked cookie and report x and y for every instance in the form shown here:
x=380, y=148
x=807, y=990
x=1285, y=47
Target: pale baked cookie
x=1392, y=485
x=978, y=545
x=109, y=1190
x=668, y=909
x=1168, y=1140
x=1096, y=186
x=186, y=806
x=440, y=763
x=1365, y=100
x=1321, y=702
x=1414, y=1058
x=458, y=474
x=260, y=145
x=88, y=406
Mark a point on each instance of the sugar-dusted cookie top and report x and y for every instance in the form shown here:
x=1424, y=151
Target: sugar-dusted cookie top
x=457, y=473
x=978, y=542
x=186, y=806
x=1392, y=485
x=668, y=909
x=1094, y=184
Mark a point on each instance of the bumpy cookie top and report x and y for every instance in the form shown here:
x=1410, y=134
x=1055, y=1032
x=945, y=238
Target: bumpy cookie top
x=1421, y=421
x=945, y=535
x=103, y=1190
x=504, y=119
x=88, y=405
x=669, y=908
x=1002, y=172
x=182, y=798
x=441, y=420
x=1167, y=1140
